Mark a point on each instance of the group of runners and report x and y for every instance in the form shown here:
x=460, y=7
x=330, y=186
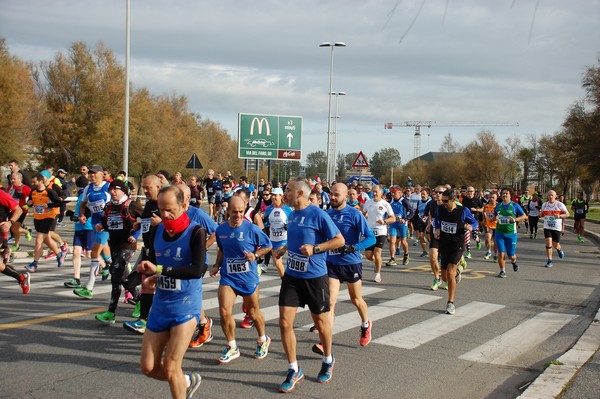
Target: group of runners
x=321, y=230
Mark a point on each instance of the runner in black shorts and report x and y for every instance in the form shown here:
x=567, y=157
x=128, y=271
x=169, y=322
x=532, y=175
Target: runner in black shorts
x=431, y=211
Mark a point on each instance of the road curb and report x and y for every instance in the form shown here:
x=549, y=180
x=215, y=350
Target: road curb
x=556, y=377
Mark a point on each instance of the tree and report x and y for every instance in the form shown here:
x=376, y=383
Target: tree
x=383, y=160
x=18, y=106
x=487, y=162
x=316, y=164
x=449, y=144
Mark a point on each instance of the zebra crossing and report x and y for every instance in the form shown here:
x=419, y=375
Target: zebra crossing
x=502, y=349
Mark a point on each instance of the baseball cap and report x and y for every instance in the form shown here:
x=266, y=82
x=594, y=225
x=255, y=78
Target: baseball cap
x=276, y=191
x=96, y=169
x=61, y=170
x=45, y=173
x=165, y=174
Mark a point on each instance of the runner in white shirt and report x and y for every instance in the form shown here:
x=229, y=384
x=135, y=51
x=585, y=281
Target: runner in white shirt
x=553, y=212
x=379, y=214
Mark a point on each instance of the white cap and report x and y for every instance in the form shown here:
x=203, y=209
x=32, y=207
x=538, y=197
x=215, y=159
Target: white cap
x=276, y=191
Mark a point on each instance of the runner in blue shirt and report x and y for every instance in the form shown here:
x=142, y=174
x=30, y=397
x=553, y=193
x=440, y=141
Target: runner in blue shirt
x=311, y=233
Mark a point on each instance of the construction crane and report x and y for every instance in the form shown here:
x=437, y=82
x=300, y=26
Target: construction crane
x=418, y=124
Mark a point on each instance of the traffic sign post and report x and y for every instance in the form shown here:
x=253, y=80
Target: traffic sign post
x=361, y=163
x=269, y=137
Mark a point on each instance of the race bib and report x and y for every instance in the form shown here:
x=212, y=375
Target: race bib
x=38, y=209
x=235, y=266
x=448, y=228
x=277, y=232
x=504, y=219
x=168, y=283
x=297, y=262
x=551, y=222
x=193, y=200
x=145, y=225
x=580, y=211
x=335, y=251
x=96, y=206
x=490, y=215
x=114, y=222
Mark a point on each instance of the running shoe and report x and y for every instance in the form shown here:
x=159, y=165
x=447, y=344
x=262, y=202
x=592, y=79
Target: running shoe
x=415, y=243
x=106, y=317
x=73, y=283
x=405, y=260
x=318, y=349
x=487, y=255
x=25, y=279
x=468, y=255
x=397, y=253
x=11, y=240
x=84, y=293
x=128, y=296
x=365, y=334
x=531, y=236
x=435, y=285
x=138, y=326
x=60, y=259
x=502, y=274
x=423, y=254
x=326, y=372
x=229, y=354
x=495, y=257
x=463, y=263
x=561, y=254
x=391, y=262
x=262, y=349
x=549, y=263
x=314, y=329
x=264, y=268
x=535, y=235
x=478, y=245
x=105, y=272
x=247, y=322
x=64, y=248
x=204, y=334
x=515, y=266
x=50, y=255
x=377, y=278
x=444, y=285
x=32, y=267
x=15, y=248
x=292, y=378
x=450, y=308
x=137, y=312
x=581, y=239
x=458, y=275
x=195, y=381
x=28, y=235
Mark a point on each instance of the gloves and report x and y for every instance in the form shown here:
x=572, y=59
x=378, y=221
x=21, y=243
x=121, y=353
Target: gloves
x=347, y=249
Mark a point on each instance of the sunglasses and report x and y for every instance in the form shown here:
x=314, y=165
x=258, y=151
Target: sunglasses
x=439, y=192
x=266, y=195
x=444, y=201
x=226, y=186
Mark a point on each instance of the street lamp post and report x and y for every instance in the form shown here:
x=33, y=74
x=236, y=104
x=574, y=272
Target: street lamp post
x=335, y=117
x=330, y=136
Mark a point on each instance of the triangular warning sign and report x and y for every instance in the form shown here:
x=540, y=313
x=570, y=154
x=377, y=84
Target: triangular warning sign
x=194, y=162
x=360, y=161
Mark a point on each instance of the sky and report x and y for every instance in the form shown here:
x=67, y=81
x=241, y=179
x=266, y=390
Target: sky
x=479, y=61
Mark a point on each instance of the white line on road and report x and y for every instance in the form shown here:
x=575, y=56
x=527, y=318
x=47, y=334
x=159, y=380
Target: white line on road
x=523, y=338
x=428, y=330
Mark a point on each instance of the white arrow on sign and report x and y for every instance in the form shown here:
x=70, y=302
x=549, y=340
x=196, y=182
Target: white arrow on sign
x=290, y=136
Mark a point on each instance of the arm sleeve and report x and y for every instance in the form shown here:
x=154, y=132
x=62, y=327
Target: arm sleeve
x=198, y=266
x=410, y=212
x=470, y=219
x=54, y=197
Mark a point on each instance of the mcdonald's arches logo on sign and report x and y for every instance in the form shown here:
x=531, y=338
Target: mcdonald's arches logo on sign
x=269, y=137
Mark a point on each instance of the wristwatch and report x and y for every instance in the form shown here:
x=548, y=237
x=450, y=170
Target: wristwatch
x=317, y=249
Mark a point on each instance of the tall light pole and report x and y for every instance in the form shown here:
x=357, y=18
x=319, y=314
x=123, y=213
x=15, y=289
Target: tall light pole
x=330, y=136
x=126, y=121
x=334, y=129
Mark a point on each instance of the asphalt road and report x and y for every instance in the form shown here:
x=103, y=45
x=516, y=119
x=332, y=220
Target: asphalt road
x=503, y=333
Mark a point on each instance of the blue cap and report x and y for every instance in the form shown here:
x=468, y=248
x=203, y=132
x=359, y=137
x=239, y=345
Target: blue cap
x=46, y=174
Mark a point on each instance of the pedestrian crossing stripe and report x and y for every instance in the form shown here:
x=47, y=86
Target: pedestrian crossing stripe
x=520, y=339
x=428, y=330
x=386, y=309
x=272, y=312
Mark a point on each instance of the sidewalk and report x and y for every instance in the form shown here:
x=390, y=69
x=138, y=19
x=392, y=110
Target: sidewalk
x=577, y=375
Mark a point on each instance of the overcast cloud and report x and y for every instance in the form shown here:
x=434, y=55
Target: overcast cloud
x=461, y=60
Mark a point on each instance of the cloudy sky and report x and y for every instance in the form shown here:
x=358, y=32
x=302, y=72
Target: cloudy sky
x=405, y=60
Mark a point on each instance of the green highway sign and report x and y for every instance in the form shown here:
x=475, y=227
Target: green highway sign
x=269, y=137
